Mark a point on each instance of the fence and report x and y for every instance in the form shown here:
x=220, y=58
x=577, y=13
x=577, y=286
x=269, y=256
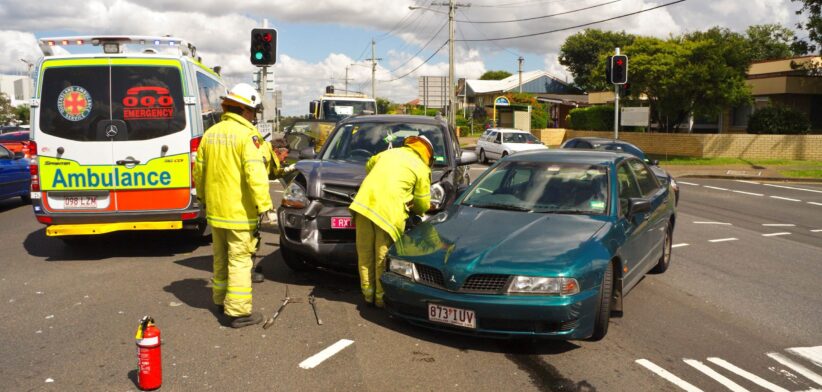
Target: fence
x=794, y=147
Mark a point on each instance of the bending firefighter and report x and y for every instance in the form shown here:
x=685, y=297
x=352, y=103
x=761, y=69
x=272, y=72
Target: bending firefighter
x=397, y=180
x=232, y=184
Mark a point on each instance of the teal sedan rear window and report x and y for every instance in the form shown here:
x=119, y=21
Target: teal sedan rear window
x=542, y=187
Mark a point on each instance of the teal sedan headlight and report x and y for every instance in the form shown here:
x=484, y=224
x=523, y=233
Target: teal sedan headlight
x=543, y=285
x=401, y=267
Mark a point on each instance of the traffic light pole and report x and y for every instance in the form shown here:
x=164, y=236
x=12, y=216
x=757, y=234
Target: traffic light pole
x=263, y=88
x=616, y=106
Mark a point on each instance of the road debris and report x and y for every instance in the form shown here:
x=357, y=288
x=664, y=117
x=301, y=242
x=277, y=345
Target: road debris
x=312, y=300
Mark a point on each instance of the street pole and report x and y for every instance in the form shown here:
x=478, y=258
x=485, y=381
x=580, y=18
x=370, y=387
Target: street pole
x=373, y=69
x=452, y=104
x=520, y=59
x=346, y=80
x=616, y=107
x=263, y=87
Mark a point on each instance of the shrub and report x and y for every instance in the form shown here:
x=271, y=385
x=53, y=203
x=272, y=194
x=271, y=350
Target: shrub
x=779, y=120
x=592, y=118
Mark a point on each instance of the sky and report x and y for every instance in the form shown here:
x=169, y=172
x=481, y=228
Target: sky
x=317, y=39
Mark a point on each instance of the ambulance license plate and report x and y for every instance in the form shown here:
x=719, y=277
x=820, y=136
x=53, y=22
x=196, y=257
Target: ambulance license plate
x=80, y=202
x=342, y=222
x=454, y=316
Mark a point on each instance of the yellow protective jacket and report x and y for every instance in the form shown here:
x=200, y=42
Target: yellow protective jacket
x=394, y=177
x=230, y=176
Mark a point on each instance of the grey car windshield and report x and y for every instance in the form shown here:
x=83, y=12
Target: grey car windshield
x=542, y=187
x=357, y=142
x=519, y=138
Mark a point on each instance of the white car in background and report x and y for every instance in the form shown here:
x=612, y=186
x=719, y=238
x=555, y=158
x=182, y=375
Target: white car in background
x=496, y=143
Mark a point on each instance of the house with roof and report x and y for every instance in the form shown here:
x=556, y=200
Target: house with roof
x=560, y=95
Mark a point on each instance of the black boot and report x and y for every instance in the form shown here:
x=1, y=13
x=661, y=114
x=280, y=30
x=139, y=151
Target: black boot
x=245, y=321
x=257, y=275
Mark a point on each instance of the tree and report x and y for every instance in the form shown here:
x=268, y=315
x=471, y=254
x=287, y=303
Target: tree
x=584, y=55
x=6, y=110
x=813, y=9
x=495, y=75
x=383, y=105
x=22, y=113
x=770, y=42
x=700, y=72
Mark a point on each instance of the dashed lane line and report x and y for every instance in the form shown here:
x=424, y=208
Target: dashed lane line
x=779, y=224
x=712, y=223
x=776, y=234
x=679, y=245
x=724, y=239
x=686, y=183
x=715, y=375
x=816, y=230
x=784, y=198
x=715, y=187
x=789, y=363
x=328, y=352
x=793, y=188
x=748, y=375
x=747, y=182
x=815, y=203
x=749, y=193
x=688, y=387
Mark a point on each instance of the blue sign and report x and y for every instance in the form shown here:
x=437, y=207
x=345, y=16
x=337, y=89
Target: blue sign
x=501, y=101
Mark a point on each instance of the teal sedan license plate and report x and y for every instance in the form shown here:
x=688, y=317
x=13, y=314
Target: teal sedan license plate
x=454, y=316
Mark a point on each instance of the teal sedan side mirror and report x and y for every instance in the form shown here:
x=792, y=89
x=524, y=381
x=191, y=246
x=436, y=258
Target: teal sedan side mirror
x=638, y=206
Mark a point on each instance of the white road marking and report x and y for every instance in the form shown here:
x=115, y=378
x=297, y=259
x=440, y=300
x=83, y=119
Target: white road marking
x=815, y=203
x=750, y=376
x=816, y=230
x=813, y=354
x=787, y=362
x=747, y=182
x=667, y=375
x=714, y=375
x=278, y=191
x=679, y=245
x=749, y=193
x=784, y=198
x=794, y=188
x=724, y=239
x=686, y=183
x=779, y=224
x=321, y=356
x=776, y=234
x=715, y=187
x=712, y=223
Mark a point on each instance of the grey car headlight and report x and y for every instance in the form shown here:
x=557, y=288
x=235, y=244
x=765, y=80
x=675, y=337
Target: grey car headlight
x=543, y=285
x=294, y=196
x=402, y=267
x=437, y=194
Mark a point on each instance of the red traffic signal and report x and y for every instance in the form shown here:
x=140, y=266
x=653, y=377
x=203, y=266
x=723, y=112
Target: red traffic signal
x=618, y=69
x=263, y=47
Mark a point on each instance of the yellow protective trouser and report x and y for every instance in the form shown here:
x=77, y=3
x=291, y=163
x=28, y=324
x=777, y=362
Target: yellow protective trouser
x=372, y=247
x=231, y=284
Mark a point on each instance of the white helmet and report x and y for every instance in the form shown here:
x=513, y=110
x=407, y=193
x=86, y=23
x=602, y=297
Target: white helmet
x=244, y=94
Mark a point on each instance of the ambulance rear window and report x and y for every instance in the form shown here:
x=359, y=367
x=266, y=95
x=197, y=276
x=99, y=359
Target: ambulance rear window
x=121, y=103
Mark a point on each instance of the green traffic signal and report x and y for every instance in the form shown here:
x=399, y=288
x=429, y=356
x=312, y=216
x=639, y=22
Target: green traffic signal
x=258, y=55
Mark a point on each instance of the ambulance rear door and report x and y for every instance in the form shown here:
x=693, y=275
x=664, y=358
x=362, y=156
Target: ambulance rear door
x=152, y=140
x=72, y=128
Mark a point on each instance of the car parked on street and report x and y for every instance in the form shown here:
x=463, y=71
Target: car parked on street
x=14, y=175
x=497, y=143
x=17, y=141
x=596, y=143
x=543, y=244
x=315, y=223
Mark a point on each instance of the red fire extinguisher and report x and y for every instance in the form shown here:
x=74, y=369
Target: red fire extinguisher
x=149, y=360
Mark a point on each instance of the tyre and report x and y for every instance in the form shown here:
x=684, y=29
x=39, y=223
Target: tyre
x=665, y=259
x=294, y=261
x=606, y=295
x=482, y=157
x=504, y=154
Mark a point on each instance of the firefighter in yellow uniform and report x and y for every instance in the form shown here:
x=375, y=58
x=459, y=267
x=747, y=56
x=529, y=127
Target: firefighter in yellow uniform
x=397, y=180
x=232, y=183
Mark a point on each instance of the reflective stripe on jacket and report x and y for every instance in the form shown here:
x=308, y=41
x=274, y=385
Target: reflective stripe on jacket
x=230, y=175
x=395, y=177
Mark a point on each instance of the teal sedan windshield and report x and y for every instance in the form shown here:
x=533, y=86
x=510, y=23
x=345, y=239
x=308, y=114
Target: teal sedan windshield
x=542, y=187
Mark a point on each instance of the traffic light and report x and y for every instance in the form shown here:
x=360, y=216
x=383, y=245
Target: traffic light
x=263, y=47
x=619, y=69
x=625, y=90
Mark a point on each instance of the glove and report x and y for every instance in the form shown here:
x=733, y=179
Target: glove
x=289, y=169
x=269, y=217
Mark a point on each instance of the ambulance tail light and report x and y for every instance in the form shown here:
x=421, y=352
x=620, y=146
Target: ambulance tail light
x=194, y=145
x=188, y=216
x=34, y=171
x=46, y=220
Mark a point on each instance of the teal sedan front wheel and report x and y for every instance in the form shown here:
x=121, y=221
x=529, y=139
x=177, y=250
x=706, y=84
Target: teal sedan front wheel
x=665, y=259
x=606, y=295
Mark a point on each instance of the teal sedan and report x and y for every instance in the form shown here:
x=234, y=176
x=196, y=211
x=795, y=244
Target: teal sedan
x=543, y=244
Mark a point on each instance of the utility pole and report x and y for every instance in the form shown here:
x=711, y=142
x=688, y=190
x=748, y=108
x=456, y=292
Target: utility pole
x=346, y=79
x=520, y=60
x=616, y=107
x=374, y=60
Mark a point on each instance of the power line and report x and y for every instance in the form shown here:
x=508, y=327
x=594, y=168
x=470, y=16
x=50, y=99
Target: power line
x=539, y=17
x=482, y=33
x=422, y=48
x=577, y=26
x=517, y=4
x=418, y=66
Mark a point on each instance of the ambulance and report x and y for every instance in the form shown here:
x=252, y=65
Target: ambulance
x=116, y=122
